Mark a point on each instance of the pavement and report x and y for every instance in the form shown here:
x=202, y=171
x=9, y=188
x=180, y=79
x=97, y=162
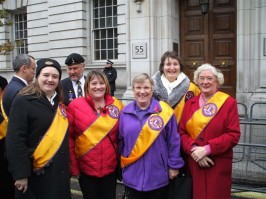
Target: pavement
x=236, y=194
x=253, y=195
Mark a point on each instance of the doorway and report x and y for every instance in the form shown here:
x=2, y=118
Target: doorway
x=209, y=38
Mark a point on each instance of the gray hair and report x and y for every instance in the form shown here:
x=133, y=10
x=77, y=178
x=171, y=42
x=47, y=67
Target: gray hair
x=20, y=60
x=141, y=78
x=219, y=75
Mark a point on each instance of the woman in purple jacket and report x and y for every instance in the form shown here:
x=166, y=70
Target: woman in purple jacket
x=149, y=143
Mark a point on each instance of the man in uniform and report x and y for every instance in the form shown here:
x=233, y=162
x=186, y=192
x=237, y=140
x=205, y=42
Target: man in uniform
x=73, y=85
x=111, y=75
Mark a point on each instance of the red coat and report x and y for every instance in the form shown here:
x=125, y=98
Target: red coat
x=102, y=159
x=222, y=134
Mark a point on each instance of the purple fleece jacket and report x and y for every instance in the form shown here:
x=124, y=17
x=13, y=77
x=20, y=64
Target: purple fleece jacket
x=150, y=172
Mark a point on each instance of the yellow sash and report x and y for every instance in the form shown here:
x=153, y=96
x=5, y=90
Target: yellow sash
x=98, y=129
x=180, y=106
x=204, y=115
x=3, y=128
x=52, y=139
x=3, y=125
x=150, y=131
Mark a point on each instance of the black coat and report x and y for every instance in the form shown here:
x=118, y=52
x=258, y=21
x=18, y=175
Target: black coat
x=30, y=118
x=6, y=182
x=111, y=75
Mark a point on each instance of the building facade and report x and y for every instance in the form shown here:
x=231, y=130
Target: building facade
x=135, y=33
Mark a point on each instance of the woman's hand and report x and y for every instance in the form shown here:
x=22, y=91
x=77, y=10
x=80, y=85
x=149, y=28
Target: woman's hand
x=206, y=162
x=22, y=184
x=198, y=153
x=173, y=173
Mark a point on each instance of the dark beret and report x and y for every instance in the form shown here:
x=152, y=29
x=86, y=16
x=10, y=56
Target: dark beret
x=46, y=62
x=3, y=82
x=73, y=59
x=109, y=62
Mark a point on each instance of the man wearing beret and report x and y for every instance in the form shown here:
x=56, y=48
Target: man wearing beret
x=24, y=67
x=111, y=75
x=73, y=85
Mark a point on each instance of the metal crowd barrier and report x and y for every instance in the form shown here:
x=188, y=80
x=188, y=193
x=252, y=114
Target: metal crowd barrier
x=249, y=162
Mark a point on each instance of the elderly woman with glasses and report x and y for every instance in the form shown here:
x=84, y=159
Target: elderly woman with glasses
x=209, y=130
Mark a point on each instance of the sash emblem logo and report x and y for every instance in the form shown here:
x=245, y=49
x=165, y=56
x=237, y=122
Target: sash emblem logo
x=156, y=123
x=209, y=110
x=113, y=111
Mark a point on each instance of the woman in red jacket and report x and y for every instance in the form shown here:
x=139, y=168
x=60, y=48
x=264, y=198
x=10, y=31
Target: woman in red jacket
x=93, y=134
x=209, y=130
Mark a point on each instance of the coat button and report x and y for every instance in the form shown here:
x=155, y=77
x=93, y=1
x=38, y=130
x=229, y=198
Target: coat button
x=201, y=139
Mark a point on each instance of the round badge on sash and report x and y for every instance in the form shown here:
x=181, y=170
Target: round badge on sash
x=156, y=123
x=209, y=110
x=63, y=110
x=189, y=95
x=113, y=111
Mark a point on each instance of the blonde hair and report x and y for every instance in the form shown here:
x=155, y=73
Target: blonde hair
x=141, y=78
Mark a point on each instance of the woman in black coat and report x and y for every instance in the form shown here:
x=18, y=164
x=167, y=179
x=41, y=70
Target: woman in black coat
x=37, y=138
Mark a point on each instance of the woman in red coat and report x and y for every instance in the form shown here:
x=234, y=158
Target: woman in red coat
x=93, y=137
x=209, y=130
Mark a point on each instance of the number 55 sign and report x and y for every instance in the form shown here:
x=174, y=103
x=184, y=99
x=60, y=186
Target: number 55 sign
x=139, y=50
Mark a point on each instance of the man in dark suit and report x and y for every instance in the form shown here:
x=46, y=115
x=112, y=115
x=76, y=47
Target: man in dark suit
x=73, y=85
x=24, y=67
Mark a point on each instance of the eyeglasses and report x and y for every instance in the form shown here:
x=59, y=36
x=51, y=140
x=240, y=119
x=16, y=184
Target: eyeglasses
x=139, y=88
x=208, y=79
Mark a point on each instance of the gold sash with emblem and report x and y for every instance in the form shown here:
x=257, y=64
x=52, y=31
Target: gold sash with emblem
x=204, y=115
x=193, y=90
x=3, y=125
x=52, y=139
x=150, y=131
x=102, y=125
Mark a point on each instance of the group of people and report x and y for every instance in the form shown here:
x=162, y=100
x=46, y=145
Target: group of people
x=76, y=127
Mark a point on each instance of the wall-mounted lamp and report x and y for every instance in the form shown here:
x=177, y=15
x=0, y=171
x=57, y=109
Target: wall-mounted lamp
x=138, y=2
x=204, y=6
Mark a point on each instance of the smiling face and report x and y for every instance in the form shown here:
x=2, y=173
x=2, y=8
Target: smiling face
x=208, y=83
x=96, y=88
x=171, y=69
x=48, y=80
x=143, y=93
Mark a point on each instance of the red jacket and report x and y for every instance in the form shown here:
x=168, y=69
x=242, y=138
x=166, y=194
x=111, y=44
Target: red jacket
x=222, y=133
x=102, y=159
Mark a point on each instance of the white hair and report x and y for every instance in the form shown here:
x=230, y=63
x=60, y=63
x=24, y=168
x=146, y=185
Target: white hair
x=219, y=75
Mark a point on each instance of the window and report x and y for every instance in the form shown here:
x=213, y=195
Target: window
x=21, y=32
x=105, y=29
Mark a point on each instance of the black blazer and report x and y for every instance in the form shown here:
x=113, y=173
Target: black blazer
x=68, y=90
